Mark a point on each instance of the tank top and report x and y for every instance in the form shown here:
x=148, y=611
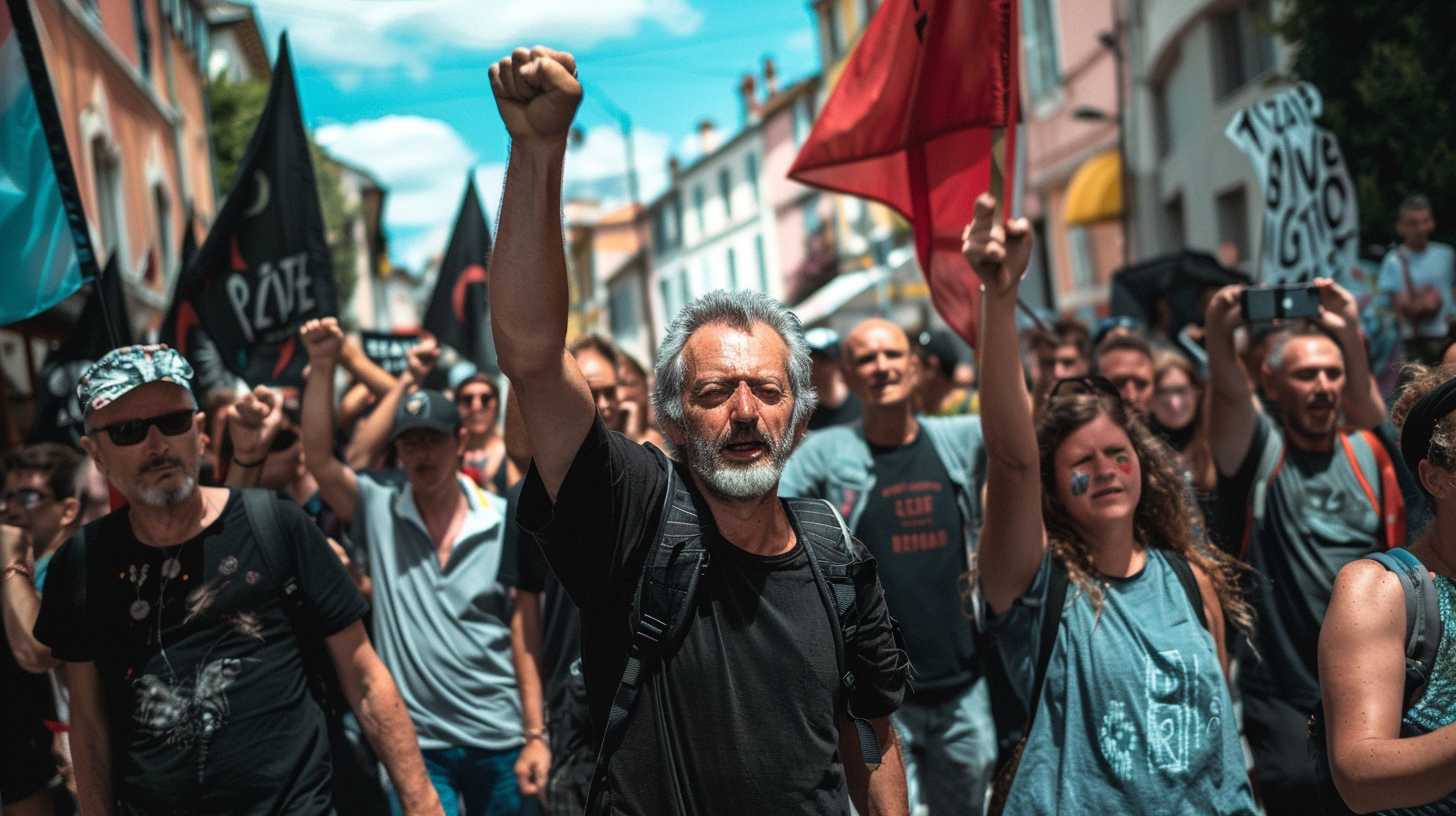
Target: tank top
x=1436, y=707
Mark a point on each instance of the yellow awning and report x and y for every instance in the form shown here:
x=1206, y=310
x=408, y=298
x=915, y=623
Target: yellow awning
x=1095, y=192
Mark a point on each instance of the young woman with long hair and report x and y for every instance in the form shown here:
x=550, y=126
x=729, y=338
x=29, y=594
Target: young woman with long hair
x=1391, y=732
x=1132, y=713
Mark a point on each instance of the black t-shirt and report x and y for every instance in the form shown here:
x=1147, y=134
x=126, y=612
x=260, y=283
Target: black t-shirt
x=25, y=742
x=751, y=695
x=202, y=675
x=560, y=622
x=847, y=411
x=912, y=525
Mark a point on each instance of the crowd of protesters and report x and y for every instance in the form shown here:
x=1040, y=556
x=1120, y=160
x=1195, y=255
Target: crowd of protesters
x=1085, y=571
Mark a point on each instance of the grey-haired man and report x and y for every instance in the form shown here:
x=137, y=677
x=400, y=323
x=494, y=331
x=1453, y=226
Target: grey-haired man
x=749, y=713
x=188, y=687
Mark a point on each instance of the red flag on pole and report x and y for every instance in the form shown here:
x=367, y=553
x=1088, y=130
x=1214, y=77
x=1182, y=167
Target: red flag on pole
x=923, y=104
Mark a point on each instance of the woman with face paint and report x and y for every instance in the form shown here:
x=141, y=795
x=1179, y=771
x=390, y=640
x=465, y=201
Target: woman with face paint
x=1390, y=723
x=1107, y=607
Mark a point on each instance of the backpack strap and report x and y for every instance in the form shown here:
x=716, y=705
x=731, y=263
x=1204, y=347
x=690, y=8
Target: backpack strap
x=831, y=551
x=1259, y=496
x=673, y=567
x=1390, y=506
x=1184, y=571
x=1422, y=616
x=1051, y=623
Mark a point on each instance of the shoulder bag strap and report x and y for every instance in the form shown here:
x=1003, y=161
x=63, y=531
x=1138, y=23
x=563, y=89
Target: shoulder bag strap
x=1051, y=623
x=1184, y=571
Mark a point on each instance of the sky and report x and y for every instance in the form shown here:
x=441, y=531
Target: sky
x=399, y=87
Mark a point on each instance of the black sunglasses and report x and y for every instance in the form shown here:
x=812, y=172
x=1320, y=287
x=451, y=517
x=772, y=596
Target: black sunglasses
x=471, y=399
x=132, y=431
x=1094, y=385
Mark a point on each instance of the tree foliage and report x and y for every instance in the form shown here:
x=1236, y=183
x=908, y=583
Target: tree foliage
x=1389, y=85
x=234, y=108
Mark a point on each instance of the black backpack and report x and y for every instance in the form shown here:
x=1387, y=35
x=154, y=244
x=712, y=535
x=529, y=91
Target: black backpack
x=1422, y=638
x=262, y=512
x=667, y=599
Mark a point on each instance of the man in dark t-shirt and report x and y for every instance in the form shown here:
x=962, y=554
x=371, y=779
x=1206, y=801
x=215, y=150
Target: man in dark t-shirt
x=748, y=714
x=1304, y=495
x=910, y=488
x=188, y=685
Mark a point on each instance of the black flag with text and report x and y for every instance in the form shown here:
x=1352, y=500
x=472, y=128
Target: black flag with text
x=264, y=268
x=458, y=315
x=103, y=325
x=182, y=330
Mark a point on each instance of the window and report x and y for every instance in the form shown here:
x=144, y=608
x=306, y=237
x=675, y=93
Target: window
x=869, y=10
x=1173, y=222
x=725, y=189
x=667, y=289
x=162, y=210
x=1084, y=267
x=1162, y=120
x=622, y=307
x=812, y=222
x=698, y=196
x=1039, y=41
x=684, y=286
x=1233, y=220
x=144, y=37
x=835, y=29
x=762, y=263
x=803, y=118
x=732, y=270
x=751, y=170
x=1243, y=46
x=106, y=170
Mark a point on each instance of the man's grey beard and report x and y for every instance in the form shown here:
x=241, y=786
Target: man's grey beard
x=739, y=482
x=170, y=496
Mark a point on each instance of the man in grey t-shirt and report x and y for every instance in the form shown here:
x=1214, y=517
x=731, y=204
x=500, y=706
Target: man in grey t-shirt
x=441, y=617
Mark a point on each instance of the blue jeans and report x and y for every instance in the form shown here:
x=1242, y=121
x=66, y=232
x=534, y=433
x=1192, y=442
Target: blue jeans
x=949, y=751
x=485, y=781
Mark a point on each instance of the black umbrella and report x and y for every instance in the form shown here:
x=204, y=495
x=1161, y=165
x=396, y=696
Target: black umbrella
x=1166, y=293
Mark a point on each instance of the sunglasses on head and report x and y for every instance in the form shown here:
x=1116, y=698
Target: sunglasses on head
x=1094, y=385
x=132, y=431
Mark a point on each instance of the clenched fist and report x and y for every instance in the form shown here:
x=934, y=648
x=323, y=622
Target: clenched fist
x=322, y=339
x=537, y=93
x=998, y=254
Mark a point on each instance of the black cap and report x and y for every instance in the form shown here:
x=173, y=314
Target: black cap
x=425, y=409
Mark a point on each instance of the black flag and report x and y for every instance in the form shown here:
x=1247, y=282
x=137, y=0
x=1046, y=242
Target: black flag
x=103, y=325
x=458, y=314
x=264, y=268
x=182, y=330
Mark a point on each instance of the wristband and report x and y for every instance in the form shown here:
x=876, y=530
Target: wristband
x=535, y=734
x=17, y=569
x=242, y=464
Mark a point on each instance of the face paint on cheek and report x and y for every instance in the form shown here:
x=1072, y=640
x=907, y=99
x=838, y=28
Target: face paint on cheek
x=1080, y=483
x=1124, y=463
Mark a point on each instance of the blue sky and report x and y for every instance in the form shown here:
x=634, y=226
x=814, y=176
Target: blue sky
x=399, y=86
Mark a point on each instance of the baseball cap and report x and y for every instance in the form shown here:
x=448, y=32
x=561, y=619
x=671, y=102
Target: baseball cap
x=123, y=369
x=428, y=409
x=822, y=340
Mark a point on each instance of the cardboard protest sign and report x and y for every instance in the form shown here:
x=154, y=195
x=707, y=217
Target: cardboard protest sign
x=1311, y=217
x=389, y=350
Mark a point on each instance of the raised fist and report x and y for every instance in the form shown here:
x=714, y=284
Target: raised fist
x=537, y=93
x=421, y=358
x=253, y=423
x=998, y=253
x=322, y=338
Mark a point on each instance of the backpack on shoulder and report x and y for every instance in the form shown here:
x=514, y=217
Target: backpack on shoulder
x=1422, y=638
x=666, y=602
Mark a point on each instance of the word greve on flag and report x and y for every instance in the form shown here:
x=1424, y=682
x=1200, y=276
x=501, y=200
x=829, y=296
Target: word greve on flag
x=1311, y=215
x=914, y=123
x=45, y=247
x=458, y=314
x=264, y=268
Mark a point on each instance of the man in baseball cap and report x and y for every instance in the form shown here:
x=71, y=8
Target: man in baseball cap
x=441, y=616
x=167, y=615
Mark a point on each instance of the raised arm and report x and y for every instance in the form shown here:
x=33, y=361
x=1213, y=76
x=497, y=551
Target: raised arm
x=1362, y=678
x=1232, y=415
x=365, y=370
x=337, y=482
x=537, y=94
x=1013, y=538
x=371, y=436
x=252, y=423
x=20, y=601
x=1340, y=315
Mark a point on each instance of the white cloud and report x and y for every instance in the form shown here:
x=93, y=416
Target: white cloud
x=598, y=166
x=396, y=33
x=801, y=40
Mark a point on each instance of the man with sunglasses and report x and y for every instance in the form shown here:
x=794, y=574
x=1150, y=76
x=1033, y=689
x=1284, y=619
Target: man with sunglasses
x=909, y=486
x=176, y=618
x=441, y=616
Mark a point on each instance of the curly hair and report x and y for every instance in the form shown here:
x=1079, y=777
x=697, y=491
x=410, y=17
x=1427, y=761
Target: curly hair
x=1166, y=517
x=1420, y=381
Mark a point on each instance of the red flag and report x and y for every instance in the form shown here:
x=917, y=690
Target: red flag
x=912, y=124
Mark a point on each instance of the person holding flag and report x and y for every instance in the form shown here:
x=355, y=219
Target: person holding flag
x=1110, y=612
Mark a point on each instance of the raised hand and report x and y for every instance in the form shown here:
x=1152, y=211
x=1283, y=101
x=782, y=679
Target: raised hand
x=1339, y=311
x=253, y=423
x=323, y=339
x=998, y=253
x=1225, y=312
x=537, y=93
x=422, y=358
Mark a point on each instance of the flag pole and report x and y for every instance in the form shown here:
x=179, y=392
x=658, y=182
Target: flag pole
x=100, y=294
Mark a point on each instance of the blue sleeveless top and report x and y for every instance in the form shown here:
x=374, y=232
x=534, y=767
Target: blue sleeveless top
x=1436, y=707
x=1135, y=711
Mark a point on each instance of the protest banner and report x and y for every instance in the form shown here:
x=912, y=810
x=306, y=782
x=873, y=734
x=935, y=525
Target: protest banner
x=389, y=350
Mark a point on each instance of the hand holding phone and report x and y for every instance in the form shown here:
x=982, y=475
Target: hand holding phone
x=1264, y=304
